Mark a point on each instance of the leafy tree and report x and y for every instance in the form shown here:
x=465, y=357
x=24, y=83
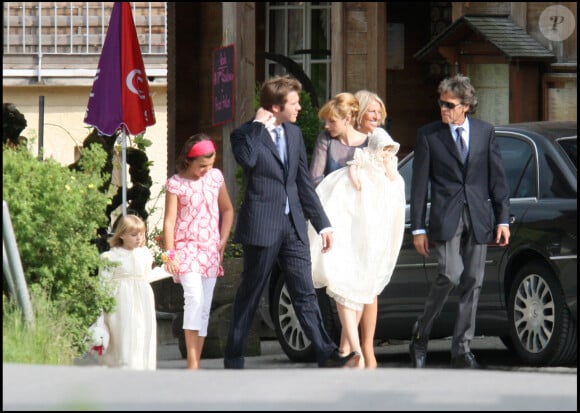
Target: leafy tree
x=55, y=213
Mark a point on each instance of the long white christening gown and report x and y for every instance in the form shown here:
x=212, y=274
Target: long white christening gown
x=368, y=225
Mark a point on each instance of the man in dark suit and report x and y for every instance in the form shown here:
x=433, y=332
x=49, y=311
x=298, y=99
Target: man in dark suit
x=272, y=221
x=460, y=158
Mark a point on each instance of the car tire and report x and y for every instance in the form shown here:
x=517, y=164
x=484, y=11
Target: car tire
x=290, y=334
x=329, y=315
x=542, y=330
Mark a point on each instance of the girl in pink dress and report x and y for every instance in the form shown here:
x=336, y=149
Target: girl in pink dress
x=197, y=223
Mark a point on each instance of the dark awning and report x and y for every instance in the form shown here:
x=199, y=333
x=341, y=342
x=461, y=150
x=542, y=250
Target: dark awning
x=501, y=32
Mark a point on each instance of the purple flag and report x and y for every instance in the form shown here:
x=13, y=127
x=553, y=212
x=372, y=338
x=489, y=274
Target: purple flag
x=120, y=94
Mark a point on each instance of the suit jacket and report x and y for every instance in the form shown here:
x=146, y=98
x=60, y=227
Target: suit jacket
x=481, y=182
x=268, y=183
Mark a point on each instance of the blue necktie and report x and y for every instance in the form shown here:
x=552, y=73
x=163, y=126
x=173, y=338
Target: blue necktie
x=280, y=144
x=461, y=146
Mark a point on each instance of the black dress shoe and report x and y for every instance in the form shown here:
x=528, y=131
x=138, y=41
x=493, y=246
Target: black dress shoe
x=465, y=361
x=335, y=360
x=417, y=348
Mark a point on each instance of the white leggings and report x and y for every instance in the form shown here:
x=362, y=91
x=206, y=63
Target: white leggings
x=197, y=294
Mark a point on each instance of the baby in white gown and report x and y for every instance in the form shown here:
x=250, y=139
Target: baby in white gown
x=365, y=203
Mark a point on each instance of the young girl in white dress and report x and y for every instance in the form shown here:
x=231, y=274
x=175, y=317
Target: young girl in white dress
x=365, y=203
x=132, y=323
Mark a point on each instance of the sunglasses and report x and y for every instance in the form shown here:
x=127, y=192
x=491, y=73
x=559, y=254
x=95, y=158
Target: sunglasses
x=448, y=105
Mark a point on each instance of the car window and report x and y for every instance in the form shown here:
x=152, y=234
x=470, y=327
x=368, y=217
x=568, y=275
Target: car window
x=570, y=146
x=406, y=171
x=553, y=183
x=520, y=166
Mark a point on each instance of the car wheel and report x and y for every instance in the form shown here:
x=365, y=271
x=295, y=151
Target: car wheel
x=290, y=334
x=329, y=315
x=541, y=327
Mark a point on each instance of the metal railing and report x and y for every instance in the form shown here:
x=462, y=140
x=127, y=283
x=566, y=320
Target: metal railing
x=12, y=267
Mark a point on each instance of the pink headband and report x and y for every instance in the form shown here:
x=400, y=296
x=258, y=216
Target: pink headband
x=201, y=148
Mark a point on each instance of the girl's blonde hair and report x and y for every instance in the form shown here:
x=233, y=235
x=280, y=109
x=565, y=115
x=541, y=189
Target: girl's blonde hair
x=126, y=224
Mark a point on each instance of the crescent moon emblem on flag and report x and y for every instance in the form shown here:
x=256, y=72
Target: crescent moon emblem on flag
x=132, y=86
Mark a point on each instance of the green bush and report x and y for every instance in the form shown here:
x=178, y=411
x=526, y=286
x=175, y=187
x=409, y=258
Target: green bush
x=55, y=213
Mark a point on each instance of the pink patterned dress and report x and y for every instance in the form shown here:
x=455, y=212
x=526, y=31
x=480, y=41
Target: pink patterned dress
x=197, y=233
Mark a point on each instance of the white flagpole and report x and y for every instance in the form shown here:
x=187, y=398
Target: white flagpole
x=124, y=172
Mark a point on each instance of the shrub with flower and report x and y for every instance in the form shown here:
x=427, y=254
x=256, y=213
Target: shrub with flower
x=155, y=230
x=156, y=246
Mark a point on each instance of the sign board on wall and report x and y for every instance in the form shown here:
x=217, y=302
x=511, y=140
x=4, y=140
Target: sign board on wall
x=223, y=85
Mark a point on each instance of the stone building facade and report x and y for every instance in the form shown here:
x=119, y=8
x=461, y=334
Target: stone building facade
x=398, y=49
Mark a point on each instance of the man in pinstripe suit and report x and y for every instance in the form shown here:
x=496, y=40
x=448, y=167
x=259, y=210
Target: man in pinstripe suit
x=272, y=221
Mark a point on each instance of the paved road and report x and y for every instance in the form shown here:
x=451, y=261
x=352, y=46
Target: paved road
x=489, y=351
x=272, y=382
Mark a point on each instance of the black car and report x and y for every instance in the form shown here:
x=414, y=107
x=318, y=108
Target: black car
x=528, y=298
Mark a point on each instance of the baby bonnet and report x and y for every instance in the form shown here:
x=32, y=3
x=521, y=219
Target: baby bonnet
x=379, y=138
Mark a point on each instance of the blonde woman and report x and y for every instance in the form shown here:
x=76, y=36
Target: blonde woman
x=366, y=205
x=365, y=111
x=337, y=143
x=372, y=111
x=372, y=114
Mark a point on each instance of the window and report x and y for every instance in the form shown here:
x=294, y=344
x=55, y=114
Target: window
x=406, y=171
x=298, y=40
x=520, y=166
x=570, y=146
